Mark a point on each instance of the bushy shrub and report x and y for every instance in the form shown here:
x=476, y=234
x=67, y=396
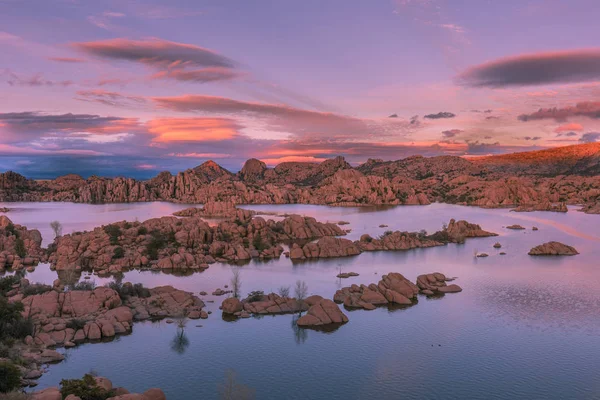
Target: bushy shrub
x=118, y=252
x=85, y=388
x=36, y=288
x=113, y=232
x=260, y=244
x=256, y=295
x=76, y=324
x=142, y=230
x=7, y=283
x=83, y=285
x=12, y=323
x=20, y=248
x=10, y=377
x=157, y=242
x=125, y=291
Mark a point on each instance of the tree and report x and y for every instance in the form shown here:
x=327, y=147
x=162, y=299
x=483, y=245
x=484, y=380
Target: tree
x=236, y=282
x=233, y=390
x=301, y=291
x=57, y=228
x=284, y=291
x=10, y=377
x=20, y=248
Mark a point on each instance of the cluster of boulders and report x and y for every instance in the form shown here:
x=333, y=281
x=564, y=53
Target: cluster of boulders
x=553, y=249
x=515, y=227
x=320, y=312
x=325, y=248
x=393, y=289
x=120, y=393
x=188, y=243
x=435, y=283
x=262, y=304
x=65, y=318
x=19, y=247
x=454, y=232
x=396, y=241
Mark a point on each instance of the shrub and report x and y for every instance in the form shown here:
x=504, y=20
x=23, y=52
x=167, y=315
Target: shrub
x=118, y=252
x=113, y=232
x=10, y=377
x=12, y=323
x=157, y=242
x=256, y=295
x=10, y=229
x=259, y=244
x=284, y=291
x=85, y=388
x=142, y=230
x=7, y=283
x=76, y=324
x=36, y=288
x=125, y=291
x=20, y=248
x=83, y=285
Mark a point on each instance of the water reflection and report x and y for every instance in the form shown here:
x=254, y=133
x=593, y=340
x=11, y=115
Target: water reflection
x=180, y=341
x=300, y=334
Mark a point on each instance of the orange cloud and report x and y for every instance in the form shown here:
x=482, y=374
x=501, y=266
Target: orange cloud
x=275, y=161
x=569, y=127
x=192, y=129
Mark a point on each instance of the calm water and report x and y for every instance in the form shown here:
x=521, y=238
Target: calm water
x=523, y=327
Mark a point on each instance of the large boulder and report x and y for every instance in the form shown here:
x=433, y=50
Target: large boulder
x=231, y=306
x=553, y=249
x=323, y=313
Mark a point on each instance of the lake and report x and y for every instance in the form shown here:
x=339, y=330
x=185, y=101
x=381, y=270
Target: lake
x=523, y=328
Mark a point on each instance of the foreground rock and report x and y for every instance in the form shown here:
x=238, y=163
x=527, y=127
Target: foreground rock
x=322, y=313
x=103, y=385
x=393, y=288
x=435, y=283
x=553, y=249
x=63, y=318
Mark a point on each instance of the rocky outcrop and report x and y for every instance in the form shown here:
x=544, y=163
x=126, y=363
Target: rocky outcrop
x=435, y=283
x=64, y=318
x=171, y=243
x=458, y=230
x=393, y=288
x=19, y=247
x=396, y=241
x=322, y=313
x=273, y=304
x=325, y=248
x=553, y=249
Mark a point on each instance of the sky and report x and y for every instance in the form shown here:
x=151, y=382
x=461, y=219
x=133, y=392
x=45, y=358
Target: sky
x=135, y=87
